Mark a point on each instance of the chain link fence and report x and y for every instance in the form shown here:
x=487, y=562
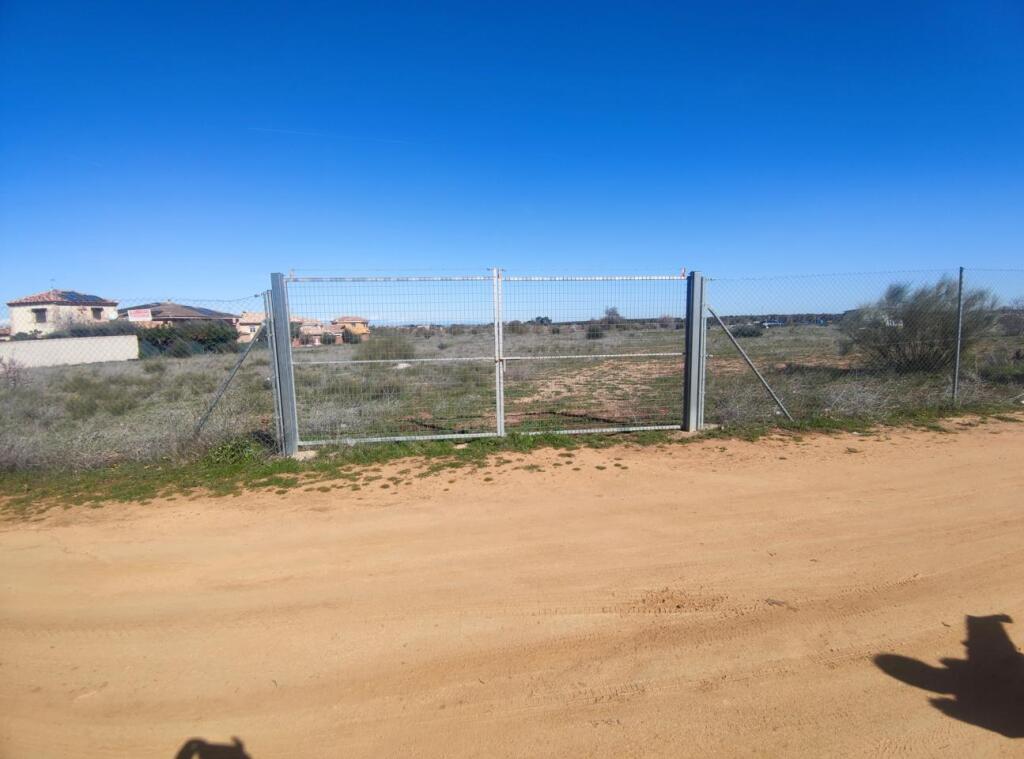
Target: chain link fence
x=131, y=382
x=864, y=345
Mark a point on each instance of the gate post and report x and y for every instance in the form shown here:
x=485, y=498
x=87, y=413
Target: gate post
x=285, y=379
x=696, y=353
x=499, y=354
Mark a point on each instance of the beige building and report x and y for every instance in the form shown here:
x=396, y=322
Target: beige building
x=355, y=326
x=249, y=324
x=54, y=310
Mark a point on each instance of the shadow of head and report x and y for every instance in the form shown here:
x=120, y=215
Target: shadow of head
x=197, y=748
x=986, y=688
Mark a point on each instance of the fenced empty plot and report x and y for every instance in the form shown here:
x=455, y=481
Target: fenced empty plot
x=360, y=359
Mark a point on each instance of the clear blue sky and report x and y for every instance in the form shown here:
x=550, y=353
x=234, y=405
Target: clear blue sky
x=188, y=149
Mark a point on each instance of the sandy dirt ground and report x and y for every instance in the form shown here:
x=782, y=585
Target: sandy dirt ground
x=711, y=599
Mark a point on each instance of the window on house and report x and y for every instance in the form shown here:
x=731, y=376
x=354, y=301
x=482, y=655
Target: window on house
x=97, y=313
x=40, y=315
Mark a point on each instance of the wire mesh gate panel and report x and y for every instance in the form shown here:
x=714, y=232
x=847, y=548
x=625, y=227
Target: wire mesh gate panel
x=402, y=358
x=388, y=358
x=592, y=354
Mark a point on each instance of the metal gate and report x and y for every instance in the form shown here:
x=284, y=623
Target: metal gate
x=375, y=359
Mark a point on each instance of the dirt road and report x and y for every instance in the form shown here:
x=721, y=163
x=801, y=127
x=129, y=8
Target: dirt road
x=713, y=599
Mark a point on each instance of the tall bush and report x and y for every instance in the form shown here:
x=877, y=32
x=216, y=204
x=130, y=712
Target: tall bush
x=914, y=330
x=187, y=338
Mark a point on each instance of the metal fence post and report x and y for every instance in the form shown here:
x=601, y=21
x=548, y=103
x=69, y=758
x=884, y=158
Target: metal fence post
x=499, y=354
x=282, y=349
x=268, y=312
x=959, y=335
x=694, y=362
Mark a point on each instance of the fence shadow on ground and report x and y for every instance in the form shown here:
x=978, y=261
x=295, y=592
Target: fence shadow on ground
x=985, y=689
x=197, y=748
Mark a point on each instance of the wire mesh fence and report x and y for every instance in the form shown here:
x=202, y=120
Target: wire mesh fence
x=378, y=358
x=592, y=353
x=863, y=345
x=425, y=369
x=130, y=382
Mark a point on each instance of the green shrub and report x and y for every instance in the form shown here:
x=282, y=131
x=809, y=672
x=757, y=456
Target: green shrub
x=747, y=330
x=188, y=338
x=385, y=345
x=179, y=348
x=240, y=450
x=350, y=338
x=327, y=338
x=910, y=330
x=595, y=332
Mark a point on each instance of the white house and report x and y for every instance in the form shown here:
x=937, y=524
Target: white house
x=54, y=310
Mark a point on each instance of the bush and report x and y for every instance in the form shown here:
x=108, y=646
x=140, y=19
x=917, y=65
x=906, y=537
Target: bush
x=595, y=332
x=350, y=337
x=385, y=345
x=612, y=316
x=915, y=330
x=188, y=338
x=747, y=330
x=11, y=373
x=240, y=450
x=327, y=338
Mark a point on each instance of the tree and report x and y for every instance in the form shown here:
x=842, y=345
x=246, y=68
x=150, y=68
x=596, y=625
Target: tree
x=914, y=330
x=612, y=316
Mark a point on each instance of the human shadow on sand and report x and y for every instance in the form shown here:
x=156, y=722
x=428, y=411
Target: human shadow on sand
x=986, y=689
x=197, y=748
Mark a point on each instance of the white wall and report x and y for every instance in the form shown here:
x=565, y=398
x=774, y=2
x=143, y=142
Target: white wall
x=71, y=350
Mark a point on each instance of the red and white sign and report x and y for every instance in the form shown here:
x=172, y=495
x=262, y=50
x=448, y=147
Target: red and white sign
x=140, y=314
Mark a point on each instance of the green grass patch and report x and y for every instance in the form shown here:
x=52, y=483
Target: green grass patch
x=244, y=464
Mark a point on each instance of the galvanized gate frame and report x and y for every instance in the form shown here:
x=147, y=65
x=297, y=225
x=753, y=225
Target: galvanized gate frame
x=694, y=363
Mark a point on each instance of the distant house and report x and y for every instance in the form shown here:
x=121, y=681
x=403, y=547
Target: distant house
x=355, y=326
x=249, y=324
x=54, y=310
x=5, y=334
x=309, y=334
x=156, y=314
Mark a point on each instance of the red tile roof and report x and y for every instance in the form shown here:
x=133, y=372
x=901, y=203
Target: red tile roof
x=62, y=298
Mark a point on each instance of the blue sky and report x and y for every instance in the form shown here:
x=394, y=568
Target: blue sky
x=187, y=150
